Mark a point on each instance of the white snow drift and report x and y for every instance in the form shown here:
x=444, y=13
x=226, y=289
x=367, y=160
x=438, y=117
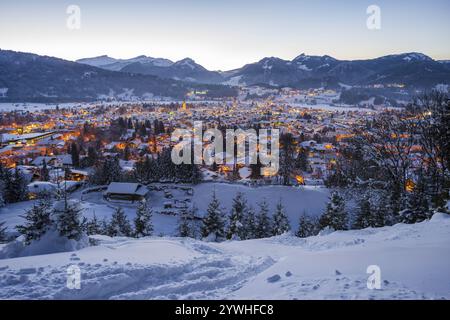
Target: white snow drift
x=414, y=262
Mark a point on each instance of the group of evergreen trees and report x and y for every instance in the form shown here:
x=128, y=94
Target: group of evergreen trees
x=157, y=169
x=143, y=128
x=162, y=168
x=242, y=223
x=120, y=226
x=13, y=186
x=65, y=217
x=106, y=171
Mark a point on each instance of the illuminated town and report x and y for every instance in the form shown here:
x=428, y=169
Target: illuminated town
x=224, y=150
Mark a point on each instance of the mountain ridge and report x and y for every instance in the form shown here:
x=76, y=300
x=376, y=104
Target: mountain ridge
x=34, y=78
x=411, y=69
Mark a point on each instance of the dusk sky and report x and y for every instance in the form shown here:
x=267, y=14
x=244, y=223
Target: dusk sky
x=226, y=34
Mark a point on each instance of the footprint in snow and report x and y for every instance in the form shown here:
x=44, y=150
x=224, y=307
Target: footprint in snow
x=274, y=278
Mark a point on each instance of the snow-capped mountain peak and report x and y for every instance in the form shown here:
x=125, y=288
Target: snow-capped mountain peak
x=415, y=56
x=186, y=62
x=98, y=61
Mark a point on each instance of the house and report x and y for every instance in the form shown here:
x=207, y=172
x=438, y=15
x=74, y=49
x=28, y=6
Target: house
x=125, y=191
x=78, y=175
x=40, y=187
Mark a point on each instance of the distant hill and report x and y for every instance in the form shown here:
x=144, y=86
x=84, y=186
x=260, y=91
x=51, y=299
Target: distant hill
x=30, y=77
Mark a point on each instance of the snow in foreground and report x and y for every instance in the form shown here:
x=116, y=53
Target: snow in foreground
x=414, y=262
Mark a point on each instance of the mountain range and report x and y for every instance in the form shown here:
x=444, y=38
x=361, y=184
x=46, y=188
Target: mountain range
x=31, y=77
x=410, y=69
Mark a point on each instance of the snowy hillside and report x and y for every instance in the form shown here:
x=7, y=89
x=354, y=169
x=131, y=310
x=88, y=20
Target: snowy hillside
x=414, y=262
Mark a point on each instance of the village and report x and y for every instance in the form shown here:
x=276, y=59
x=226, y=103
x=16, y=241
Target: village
x=28, y=143
x=111, y=156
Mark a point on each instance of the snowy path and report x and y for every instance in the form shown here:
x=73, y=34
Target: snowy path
x=212, y=274
x=414, y=262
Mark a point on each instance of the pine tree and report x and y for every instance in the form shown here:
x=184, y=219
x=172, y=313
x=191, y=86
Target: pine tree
x=280, y=220
x=92, y=156
x=119, y=225
x=44, y=172
x=143, y=226
x=287, y=160
x=417, y=207
x=16, y=189
x=104, y=226
x=307, y=226
x=301, y=162
x=184, y=224
x=250, y=223
x=213, y=224
x=236, y=230
x=38, y=221
x=69, y=221
x=263, y=221
x=93, y=226
x=364, y=217
x=335, y=216
x=381, y=211
x=75, y=154
x=3, y=236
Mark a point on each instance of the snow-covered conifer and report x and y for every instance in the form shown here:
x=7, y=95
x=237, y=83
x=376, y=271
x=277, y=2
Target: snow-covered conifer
x=335, y=216
x=143, y=226
x=280, y=220
x=119, y=225
x=236, y=230
x=213, y=224
x=68, y=218
x=307, y=226
x=263, y=221
x=37, y=221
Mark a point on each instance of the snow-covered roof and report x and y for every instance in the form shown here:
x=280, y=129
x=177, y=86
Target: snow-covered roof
x=82, y=172
x=5, y=137
x=40, y=186
x=127, y=188
x=65, y=159
x=39, y=161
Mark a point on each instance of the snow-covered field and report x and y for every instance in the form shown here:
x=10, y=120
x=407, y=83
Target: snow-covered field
x=414, y=262
x=31, y=106
x=296, y=200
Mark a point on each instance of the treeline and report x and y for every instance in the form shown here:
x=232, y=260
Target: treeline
x=151, y=169
x=242, y=223
x=13, y=186
x=66, y=218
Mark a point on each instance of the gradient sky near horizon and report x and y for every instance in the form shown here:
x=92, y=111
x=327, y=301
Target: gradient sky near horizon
x=226, y=34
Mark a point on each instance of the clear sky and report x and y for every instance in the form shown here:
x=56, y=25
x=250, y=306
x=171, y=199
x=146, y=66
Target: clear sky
x=226, y=34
